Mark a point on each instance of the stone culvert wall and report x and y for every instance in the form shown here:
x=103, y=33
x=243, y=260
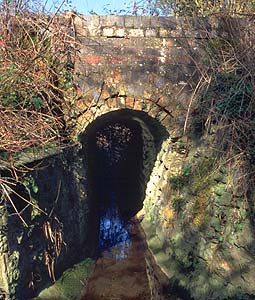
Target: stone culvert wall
x=135, y=63
x=197, y=229
x=60, y=191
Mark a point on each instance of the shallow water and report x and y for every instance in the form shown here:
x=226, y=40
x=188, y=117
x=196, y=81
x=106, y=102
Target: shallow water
x=120, y=271
x=113, y=230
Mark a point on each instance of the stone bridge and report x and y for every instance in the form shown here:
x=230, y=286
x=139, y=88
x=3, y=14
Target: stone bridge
x=140, y=72
x=139, y=63
x=143, y=69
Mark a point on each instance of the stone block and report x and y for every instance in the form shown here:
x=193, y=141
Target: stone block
x=105, y=94
x=116, y=75
x=130, y=21
x=81, y=31
x=130, y=102
x=117, y=60
x=170, y=42
x=165, y=33
x=122, y=90
x=164, y=101
x=144, y=21
x=146, y=106
x=154, y=111
x=109, y=103
x=161, y=116
x=120, y=32
x=168, y=122
x=121, y=102
x=94, y=31
x=135, y=32
x=155, y=22
x=94, y=59
x=167, y=22
x=81, y=124
x=102, y=110
x=138, y=105
x=86, y=21
x=111, y=20
x=151, y=32
x=108, y=32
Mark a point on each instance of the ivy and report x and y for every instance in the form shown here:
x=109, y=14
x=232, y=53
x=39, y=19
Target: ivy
x=30, y=184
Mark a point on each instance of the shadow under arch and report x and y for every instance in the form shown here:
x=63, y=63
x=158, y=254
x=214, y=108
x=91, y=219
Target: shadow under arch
x=120, y=149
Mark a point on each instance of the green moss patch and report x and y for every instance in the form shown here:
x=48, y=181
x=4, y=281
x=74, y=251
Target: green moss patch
x=70, y=285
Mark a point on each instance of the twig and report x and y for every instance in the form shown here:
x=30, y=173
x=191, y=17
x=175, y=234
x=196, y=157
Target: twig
x=13, y=205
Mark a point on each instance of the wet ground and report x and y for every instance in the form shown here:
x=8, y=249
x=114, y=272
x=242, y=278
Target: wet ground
x=120, y=272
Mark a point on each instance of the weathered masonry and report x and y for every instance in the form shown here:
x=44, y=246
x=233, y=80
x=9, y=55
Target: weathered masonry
x=138, y=63
x=140, y=71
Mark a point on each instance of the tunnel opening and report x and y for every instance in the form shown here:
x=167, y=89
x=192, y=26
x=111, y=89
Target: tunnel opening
x=120, y=149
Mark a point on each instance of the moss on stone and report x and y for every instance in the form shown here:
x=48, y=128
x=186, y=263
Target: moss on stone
x=155, y=244
x=206, y=223
x=204, y=172
x=181, y=179
x=70, y=285
x=199, y=216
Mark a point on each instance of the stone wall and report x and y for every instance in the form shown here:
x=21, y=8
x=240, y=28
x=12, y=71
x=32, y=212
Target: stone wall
x=62, y=197
x=136, y=63
x=198, y=231
x=195, y=225
x=197, y=228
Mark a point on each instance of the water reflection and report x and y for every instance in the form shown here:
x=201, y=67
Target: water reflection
x=113, y=230
x=113, y=143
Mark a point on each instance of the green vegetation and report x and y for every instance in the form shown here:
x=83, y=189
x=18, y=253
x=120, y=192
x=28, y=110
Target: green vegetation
x=70, y=285
x=29, y=182
x=36, y=58
x=179, y=181
x=226, y=103
x=36, y=86
x=35, y=76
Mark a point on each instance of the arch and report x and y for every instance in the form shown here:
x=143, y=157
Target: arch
x=135, y=171
x=90, y=109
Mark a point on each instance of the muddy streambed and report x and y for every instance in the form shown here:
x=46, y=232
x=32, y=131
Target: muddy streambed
x=120, y=272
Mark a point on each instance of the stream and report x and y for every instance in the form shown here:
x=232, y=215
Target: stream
x=120, y=271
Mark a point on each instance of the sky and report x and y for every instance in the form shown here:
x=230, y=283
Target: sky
x=100, y=7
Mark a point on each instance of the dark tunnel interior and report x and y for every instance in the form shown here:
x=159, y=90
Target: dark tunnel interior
x=118, y=146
